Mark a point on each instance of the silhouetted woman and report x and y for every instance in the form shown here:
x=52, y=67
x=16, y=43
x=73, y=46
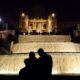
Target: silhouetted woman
x=28, y=72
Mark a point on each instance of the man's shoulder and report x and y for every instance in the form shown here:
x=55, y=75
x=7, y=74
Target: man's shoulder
x=49, y=56
x=21, y=70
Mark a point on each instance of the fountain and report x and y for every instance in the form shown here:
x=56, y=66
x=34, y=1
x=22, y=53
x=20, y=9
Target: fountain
x=65, y=54
x=67, y=63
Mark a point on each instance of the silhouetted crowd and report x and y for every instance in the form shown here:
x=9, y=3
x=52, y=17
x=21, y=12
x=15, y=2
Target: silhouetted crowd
x=37, y=68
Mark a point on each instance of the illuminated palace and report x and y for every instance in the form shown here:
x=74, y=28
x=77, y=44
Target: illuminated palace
x=38, y=25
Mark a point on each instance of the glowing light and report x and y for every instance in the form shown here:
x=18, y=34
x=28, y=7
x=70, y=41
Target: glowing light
x=76, y=72
x=53, y=15
x=0, y=19
x=9, y=72
x=23, y=14
x=54, y=71
x=76, y=69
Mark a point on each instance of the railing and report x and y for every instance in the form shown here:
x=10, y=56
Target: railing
x=4, y=34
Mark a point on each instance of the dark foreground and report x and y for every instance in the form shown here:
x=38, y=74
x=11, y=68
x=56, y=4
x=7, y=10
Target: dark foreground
x=54, y=77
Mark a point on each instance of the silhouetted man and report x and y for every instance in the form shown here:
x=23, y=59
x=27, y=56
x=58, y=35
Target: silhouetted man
x=44, y=65
x=28, y=72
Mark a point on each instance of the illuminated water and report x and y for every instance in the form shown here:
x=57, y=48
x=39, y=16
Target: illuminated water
x=63, y=63
x=47, y=46
x=44, y=38
x=66, y=56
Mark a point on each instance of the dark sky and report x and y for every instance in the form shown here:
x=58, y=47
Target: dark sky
x=64, y=9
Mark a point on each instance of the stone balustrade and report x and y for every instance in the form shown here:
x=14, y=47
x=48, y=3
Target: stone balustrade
x=4, y=34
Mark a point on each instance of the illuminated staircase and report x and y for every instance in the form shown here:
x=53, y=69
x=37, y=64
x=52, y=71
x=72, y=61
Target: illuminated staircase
x=47, y=46
x=44, y=38
x=50, y=43
x=65, y=56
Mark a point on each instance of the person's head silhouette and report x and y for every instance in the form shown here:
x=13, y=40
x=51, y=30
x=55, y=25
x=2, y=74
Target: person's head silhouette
x=41, y=52
x=31, y=56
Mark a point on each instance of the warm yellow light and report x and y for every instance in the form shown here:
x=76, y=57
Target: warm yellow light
x=54, y=71
x=53, y=15
x=23, y=14
x=6, y=72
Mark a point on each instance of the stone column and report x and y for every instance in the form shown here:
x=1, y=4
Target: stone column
x=26, y=23
x=49, y=29
x=42, y=27
x=35, y=26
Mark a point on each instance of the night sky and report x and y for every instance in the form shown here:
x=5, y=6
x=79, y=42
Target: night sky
x=66, y=10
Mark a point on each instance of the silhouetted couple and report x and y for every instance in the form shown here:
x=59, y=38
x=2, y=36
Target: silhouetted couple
x=37, y=69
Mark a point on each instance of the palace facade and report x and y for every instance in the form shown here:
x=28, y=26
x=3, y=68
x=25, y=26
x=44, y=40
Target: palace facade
x=38, y=25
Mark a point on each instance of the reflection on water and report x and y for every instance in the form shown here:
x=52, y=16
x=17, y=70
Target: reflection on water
x=63, y=63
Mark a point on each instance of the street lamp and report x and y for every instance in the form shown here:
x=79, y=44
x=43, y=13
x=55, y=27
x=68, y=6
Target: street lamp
x=1, y=23
x=22, y=14
x=53, y=15
x=0, y=20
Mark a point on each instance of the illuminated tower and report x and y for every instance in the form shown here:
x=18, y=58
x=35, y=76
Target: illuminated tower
x=23, y=22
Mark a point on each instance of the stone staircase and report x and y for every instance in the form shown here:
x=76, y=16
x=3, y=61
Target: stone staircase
x=51, y=43
x=65, y=56
x=44, y=38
